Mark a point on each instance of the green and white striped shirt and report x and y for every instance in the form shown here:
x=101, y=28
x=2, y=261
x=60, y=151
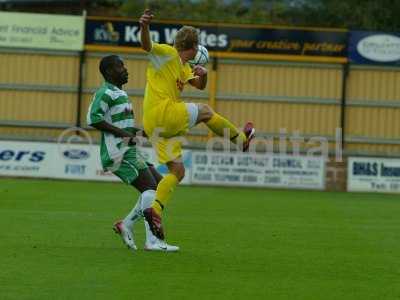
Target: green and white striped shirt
x=112, y=105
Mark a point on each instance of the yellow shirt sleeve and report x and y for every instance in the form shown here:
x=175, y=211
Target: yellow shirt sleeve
x=188, y=73
x=160, y=54
x=161, y=49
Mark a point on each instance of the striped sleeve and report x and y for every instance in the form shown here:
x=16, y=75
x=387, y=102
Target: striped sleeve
x=97, y=109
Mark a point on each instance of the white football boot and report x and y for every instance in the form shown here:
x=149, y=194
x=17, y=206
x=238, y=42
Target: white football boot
x=126, y=234
x=160, y=245
x=154, y=244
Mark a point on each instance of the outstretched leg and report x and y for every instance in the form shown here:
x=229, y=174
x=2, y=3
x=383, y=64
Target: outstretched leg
x=219, y=125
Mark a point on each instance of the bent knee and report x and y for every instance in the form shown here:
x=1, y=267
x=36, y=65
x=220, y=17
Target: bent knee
x=205, y=112
x=180, y=174
x=178, y=171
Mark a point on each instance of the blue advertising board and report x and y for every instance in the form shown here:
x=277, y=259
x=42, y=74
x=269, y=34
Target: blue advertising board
x=222, y=38
x=368, y=47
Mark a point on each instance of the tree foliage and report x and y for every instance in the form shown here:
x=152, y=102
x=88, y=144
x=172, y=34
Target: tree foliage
x=353, y=14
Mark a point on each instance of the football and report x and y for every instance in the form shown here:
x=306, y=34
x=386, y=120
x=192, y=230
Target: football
x=201, y=57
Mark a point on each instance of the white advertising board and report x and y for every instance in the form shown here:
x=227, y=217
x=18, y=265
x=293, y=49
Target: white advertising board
x=67, y=161
x=82, y=162
x=25, y=159
x=260, y=170
x=41, y=31
x=368, y=174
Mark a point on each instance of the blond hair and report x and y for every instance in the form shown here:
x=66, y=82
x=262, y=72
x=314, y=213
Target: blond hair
x=186, y=38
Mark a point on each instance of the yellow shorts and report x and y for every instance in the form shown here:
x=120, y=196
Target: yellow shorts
x=168, y=149
x=165, y=125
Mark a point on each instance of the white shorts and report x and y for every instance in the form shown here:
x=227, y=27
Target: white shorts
x=193, y=111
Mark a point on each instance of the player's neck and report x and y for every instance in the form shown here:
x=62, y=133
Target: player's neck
x=118, y=85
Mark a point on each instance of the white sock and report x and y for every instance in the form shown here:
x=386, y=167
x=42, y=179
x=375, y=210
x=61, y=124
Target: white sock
x=135, y=214
x=147, y=200
x=150, y=237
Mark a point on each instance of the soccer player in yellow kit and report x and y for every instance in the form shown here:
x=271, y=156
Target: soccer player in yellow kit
x=166, y=116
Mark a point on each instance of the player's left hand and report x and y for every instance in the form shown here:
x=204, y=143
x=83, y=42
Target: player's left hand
x=199, y=70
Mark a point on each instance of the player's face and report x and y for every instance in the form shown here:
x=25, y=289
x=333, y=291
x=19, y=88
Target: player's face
x=119, y=72
x=193, y=51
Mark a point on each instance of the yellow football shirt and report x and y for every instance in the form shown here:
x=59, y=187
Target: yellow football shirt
x=166, y=77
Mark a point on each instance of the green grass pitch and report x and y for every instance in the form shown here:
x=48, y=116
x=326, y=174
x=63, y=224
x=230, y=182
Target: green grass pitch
x=56, y=242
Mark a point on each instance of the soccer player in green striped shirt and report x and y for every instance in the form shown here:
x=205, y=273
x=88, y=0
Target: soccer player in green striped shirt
x=111, y=112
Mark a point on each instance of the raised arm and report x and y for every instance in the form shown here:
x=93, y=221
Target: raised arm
x=144, y=22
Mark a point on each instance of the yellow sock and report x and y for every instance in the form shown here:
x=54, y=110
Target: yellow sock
x=164, y=190
x=217, y=124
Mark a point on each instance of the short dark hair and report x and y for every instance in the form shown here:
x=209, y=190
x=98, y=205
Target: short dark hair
x=106, y=62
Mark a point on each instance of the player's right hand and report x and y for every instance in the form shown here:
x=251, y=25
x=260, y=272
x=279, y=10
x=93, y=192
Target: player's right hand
x=199, y=70
x=145, y=19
